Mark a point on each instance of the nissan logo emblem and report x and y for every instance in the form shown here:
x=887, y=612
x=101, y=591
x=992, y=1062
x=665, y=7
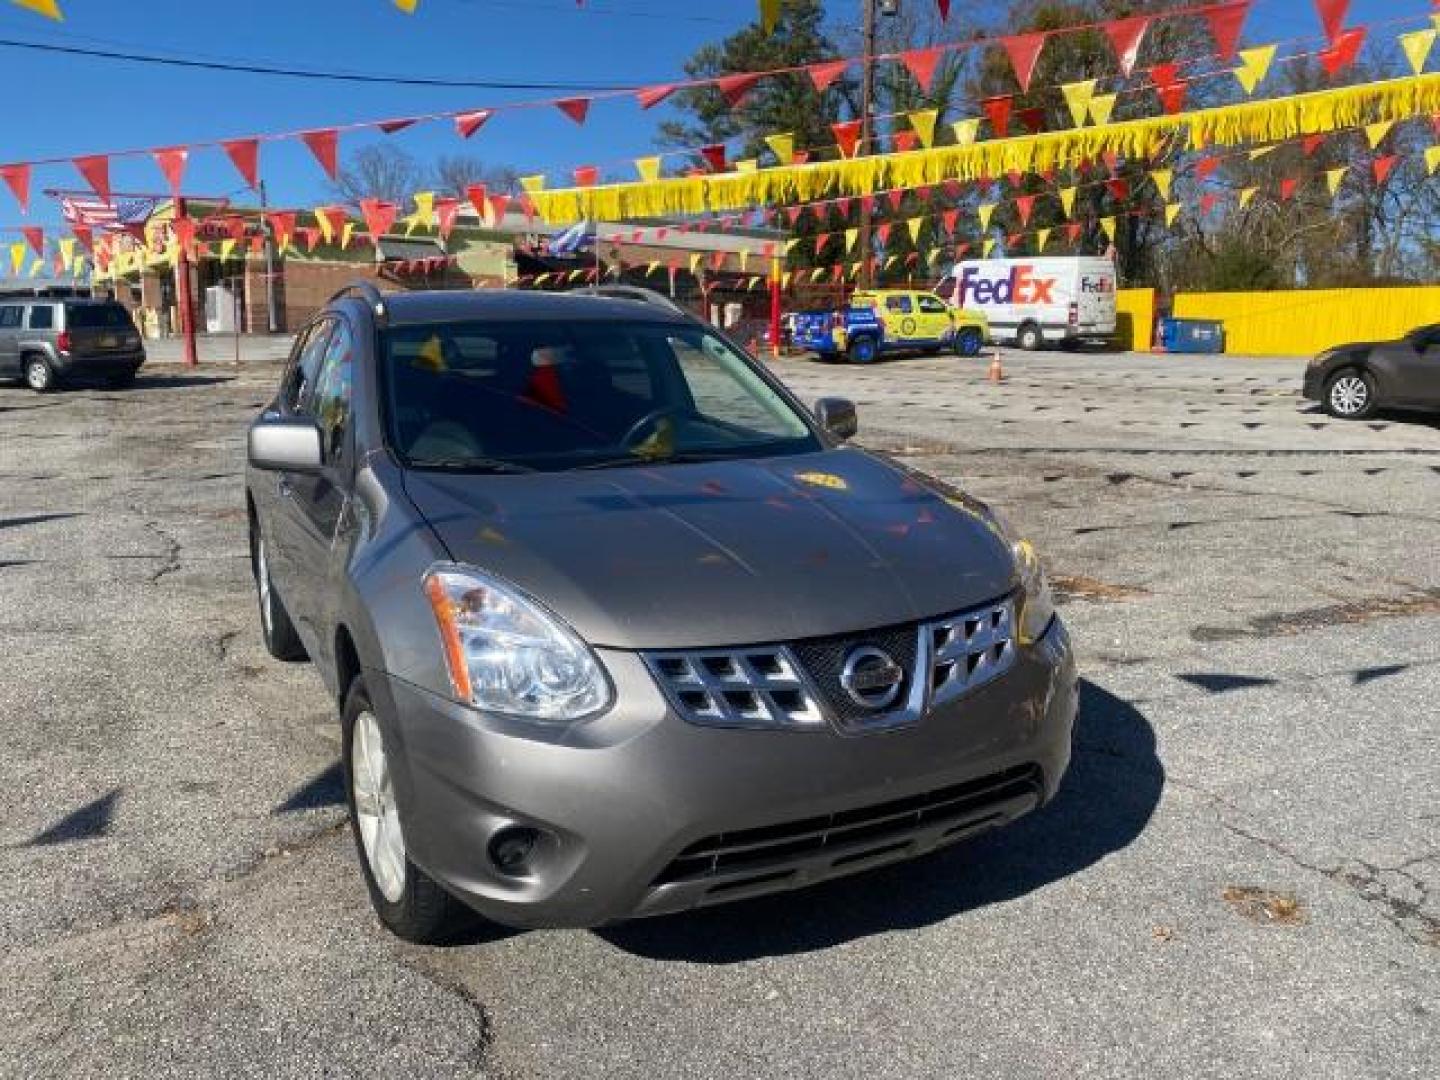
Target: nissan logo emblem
x=871, y=677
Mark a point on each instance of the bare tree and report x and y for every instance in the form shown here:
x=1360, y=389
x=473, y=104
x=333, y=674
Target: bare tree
x=453, y=174
x=380, y=171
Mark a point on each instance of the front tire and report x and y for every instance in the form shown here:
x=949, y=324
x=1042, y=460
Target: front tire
x=968, y=342
x=410, y=904
x=1030, y=338
x=281, y=639
x=39, y=375
x=1350, y=394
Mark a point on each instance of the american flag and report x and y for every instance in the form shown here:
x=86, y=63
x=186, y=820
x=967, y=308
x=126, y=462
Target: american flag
x=122, y=213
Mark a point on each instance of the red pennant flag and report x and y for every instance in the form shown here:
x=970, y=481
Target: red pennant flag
x=950, y=219
x=1311, y=143
x=1016, y=178
x=235, y=226
x=390, y=127
x=1024, y=204
x=447, y=209
x=923, y=193
x=1167, y=74
x=1024, y=51
x=842, y=207
x=96, y=171
x=325, y=145
x=800, y=157
x=651, y=96
x=575, y=108
x=896, y=197
x=469, y=123
x=185, y=234
x=714, y=156
x=1012, y=241
x=961, y=249
x=586, y=175
x=952, y=188
x=904, y=141
x=1072, y=232
x=1342, y=53
x=1125, y=36
x=1382, y=167
x=822, y=75
x=244, y=154
x=172, y=164
x=1226, y=22
x=1172, y=97
x=1208, y=201
x=882, y=233
x=282, y=224
x=1111, y=159
x=379, y=216
x=17, y=179
x=912, y=258
x=847, y=136
x=734, y=87
x=921, y=63
x=1032, y=120
x=335, y=217
x=498, y=205
x=311, y=235
x=944, y=6
x=479, y=197
x=867, y=202
x=1206, y=167
x=1332, y=15
x=820, y=241
x=793, y=213
x=35, y=237
x=998, y=111
x=1287, y=188
x=1119, y=189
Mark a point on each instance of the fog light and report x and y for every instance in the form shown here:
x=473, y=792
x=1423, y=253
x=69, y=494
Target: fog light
x=511, y=848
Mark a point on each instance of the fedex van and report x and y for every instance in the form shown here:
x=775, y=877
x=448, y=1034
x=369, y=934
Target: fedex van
x=1037, y=302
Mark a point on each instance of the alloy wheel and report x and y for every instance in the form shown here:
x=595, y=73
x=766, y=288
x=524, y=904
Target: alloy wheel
x=1349, y=395
x=375, y=811
x=262, y=582
x=37, y=375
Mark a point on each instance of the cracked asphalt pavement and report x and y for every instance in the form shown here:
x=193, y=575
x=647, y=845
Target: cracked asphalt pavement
x=1241, y=876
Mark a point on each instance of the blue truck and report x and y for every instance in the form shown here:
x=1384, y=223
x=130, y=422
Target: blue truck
x=883, y=321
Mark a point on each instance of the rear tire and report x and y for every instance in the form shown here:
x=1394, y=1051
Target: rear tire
x=968, y=342
x=1350, y=394
x=281, y=640
x=408, y=902
x=39, y=375
x=862, y=350
x=1030, y=338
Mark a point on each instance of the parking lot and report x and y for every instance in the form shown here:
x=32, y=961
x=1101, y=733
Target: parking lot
x=1241, y=876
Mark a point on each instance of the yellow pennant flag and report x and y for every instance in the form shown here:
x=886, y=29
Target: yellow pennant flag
x=648, y=168
x=541, y=279
x=1246, y=195
x=745, y=165
x=1335, y=177
x=744, y=259
x=817, y=274
x=576, y=275
x=785, y=279
x=854, y=271
x=51, y=8
x=1107, y=226
x=923, y=123
x=852, y=237
x=17, y=257
x=424, y=210
x=412, y=222
x=1432, y=160
x=1254, y=65
x=1067, y=200
x=227, y=249
x=1162, y=178
x=532, y=184
x=346, y=233
x=915, y=224
x=1042, y=237
x=985, y=210
x=1260, y=151
x=966, y=131
x=407, y=6
x=67, y=251
x=769, y=14
x=890, y=260
x=652, y=267
x=1375, y=133
x=1417, y=46
x=988, y=248
x=36, y=267
x=782, y=146
x=790, y=244
x=695, y=263
x=1078, y=96
x=1101, y=106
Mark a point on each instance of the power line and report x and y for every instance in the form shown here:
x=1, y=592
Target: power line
x=304, y=73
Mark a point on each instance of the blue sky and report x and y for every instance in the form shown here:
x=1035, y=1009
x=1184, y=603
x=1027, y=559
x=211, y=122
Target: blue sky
x=63, y=106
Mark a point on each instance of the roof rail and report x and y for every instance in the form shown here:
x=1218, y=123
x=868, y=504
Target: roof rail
x=367, y=292
x=636, y=293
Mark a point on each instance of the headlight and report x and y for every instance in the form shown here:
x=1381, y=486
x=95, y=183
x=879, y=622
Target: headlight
x=506, y=654
x=1036, y=604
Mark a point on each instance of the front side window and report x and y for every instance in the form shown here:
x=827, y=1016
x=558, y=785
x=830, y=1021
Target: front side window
x=932, y=306
x=329, y=403
x=552, y=396
x=42, y=317
x=304, y=367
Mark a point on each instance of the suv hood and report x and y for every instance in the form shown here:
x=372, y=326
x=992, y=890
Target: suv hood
x=724, y=553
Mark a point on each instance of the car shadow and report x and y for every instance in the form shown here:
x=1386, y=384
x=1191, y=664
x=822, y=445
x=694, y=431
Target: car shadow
x=1105, y=802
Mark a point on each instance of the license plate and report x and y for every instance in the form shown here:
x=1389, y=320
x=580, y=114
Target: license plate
x=109, y=341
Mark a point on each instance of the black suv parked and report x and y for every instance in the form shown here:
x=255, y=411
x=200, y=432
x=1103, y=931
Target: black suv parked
x=47, y=341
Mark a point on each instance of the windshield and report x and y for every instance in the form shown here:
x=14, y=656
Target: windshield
x=553, y=396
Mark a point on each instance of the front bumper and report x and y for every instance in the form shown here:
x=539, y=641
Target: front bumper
x=642, y=813
x=1312, y=388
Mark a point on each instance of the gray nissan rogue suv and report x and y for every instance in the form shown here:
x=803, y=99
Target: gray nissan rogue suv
x=616, y=627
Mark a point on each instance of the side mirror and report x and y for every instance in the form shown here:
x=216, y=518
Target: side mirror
x=285, y=444
x=837, y=416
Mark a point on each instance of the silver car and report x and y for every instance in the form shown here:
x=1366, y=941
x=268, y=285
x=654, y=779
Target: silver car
x=616, y=627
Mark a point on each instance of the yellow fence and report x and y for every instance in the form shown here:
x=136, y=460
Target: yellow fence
x=1303, y=322
x=1134, y=318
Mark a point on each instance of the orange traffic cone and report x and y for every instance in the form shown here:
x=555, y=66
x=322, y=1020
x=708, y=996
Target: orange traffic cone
x=997, y=373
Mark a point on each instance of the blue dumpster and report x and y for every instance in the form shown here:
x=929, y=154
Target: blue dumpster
x=1192, y=335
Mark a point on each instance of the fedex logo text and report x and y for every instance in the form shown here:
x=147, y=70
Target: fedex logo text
x=1020, y=286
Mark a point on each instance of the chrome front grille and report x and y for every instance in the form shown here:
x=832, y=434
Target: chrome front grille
x=797, y=686
x=758, y=687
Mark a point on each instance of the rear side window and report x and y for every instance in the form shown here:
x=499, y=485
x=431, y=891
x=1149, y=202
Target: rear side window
x=42, y=317
x=97, y=317
x=10, y=317
x=898, y=303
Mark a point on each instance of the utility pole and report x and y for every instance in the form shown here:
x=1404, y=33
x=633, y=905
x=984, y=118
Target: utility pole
x=272, y=310
x=189, y=356
x=867, y=108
